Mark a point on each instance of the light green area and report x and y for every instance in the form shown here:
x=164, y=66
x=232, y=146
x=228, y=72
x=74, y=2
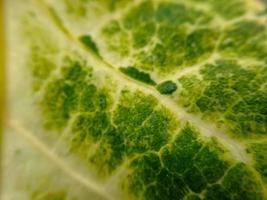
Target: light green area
x=43, y=50
x=35, y=177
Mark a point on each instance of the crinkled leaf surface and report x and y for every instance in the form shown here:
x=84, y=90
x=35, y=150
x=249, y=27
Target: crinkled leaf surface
x=162, y=99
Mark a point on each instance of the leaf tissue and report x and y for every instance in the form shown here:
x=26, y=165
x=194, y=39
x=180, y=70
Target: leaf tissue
x=138, y=100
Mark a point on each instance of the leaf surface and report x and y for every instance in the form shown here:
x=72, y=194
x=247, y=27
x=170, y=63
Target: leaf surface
x=136, y=100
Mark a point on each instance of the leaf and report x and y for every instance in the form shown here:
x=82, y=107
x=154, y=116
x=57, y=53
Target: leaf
x=186, y=120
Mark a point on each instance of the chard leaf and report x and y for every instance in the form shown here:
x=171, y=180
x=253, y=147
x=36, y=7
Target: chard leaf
x=186, y=120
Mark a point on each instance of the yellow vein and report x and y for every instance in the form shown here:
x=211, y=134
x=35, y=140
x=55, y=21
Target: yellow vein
x=27, y=135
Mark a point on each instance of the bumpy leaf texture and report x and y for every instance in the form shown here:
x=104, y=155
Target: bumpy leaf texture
x=151, y=100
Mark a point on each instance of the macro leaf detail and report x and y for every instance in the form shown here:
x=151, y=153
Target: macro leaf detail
x=136, y=100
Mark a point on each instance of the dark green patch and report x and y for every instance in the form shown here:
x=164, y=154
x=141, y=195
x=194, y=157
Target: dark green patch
x=75, y=70
x=228, y=94
x=259, y=153
x=217, y=192
x=241, y=183
x=143, y=127
x=89, y=43
x=179, y=156
x=58, y=103
x=110, y=152
x=170, y=186
x=87, y=100
x=138, y=75
x=133, y=109
x=146, y=168
x=193, y=197
x=153, y=134
x=161, y=184
x=167, y=87
x=210, y=161
x=195, y=180
x=80, y=131
x=134, y=127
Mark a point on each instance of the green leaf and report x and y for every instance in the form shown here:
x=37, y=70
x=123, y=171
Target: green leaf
x=185, y=120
